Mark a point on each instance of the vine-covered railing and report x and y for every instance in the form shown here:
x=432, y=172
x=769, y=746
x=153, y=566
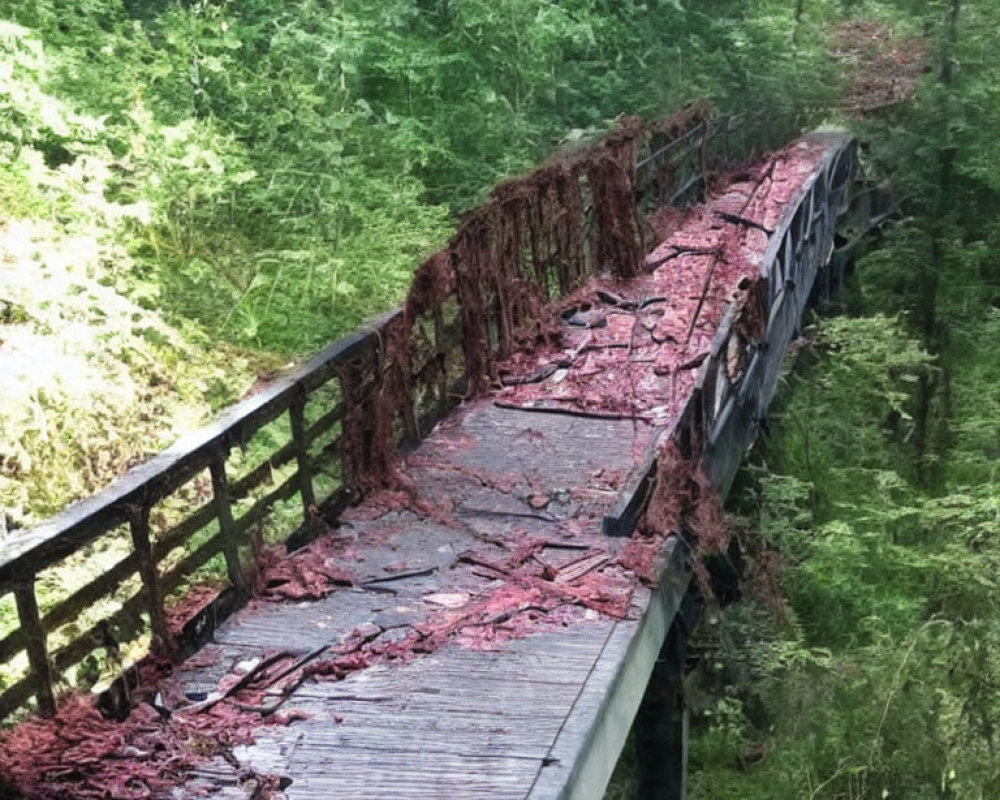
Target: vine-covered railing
x=327, y=432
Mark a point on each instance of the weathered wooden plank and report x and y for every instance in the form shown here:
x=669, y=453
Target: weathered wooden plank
x=125, y=623
x=16, y=696
x=179, y=534
x=584, y=755
x=631, y=502
x=173, y=578
x=143, y=550
x=256, y=513
x=499, y=694
x=36, y=645
x=11, y=645
x=394, y=727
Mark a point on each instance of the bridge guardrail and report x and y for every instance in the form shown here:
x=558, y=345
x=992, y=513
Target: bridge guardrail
x=737, y=381
x=343, y=412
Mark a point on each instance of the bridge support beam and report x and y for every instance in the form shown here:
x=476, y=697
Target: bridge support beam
x=661, y=728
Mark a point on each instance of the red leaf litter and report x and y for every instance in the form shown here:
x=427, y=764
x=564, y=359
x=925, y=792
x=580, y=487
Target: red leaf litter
x=620, y=349
x=79, y=754
x=195, y=598
x=310, y=574
x=633, y=350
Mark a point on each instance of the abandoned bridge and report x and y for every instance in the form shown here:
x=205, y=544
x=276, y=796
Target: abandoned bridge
x=473, y=539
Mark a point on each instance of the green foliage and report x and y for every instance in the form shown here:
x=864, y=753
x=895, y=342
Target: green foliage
x=881, y=495
x=849, y=411
x=195, y=189
x=890, y=688
x=269, y=177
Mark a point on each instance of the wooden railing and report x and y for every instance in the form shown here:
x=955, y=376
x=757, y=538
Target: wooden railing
x=339, y=416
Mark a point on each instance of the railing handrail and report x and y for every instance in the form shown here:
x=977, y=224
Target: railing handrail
x=736, y=408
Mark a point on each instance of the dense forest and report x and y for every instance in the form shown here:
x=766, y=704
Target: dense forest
x=862, y=657
x=194, y=193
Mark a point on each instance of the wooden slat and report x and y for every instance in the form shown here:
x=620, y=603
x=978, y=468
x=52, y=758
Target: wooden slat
x=173, y=578
x=227, y=528
x=262, y=473
x=16, y=696
x=86, y=596
x=36, y=645
x=126, y=622
x=181, y=532
x=10, y=646
x=259, y=510
x=324, y=423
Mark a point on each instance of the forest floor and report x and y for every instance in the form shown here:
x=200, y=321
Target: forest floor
x=883, y=69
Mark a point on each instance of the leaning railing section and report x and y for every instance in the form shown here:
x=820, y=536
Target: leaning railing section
x=329, y=429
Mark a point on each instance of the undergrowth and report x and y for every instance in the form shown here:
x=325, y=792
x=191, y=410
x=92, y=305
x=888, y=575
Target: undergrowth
x=879, y=677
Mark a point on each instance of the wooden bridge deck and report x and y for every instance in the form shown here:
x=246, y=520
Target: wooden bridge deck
x=493, y=641
x=478, y=716
x=471, y=630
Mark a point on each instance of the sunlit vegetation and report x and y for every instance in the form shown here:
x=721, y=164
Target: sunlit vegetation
x=195, y=192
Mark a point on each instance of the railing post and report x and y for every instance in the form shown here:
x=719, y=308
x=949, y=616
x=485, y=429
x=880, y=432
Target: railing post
x=138, y=523
x=441, y=354
x=36, y=645
x=411, y=426
x=296, y=414
x=227, y=527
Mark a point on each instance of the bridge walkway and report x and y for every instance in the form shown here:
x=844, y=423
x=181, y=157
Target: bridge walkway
x=485, y=620
x=487, y=638
x=464, y=669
